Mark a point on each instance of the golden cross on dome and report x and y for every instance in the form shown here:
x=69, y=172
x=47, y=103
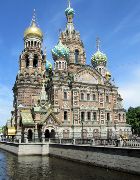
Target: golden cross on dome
x=34, y=16
x=98, y=43
x=69, y=4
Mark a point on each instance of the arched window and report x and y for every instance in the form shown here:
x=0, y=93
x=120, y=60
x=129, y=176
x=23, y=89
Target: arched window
x=31, y=43
x=82, y=116
x=30, y=135
x=94, y=116
x=94, y=97
x=108, y=116
x=88, y=116
x=65, y=95
x=82, y=96
x=76, y=56
x=59, y=65
x=35, y=61
x=65, y=115
x=119, y=117
x=27, y=61
x=35, y=43
x=107, y=98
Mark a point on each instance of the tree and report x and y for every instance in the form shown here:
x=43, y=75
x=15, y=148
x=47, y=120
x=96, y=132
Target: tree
x=133, y=118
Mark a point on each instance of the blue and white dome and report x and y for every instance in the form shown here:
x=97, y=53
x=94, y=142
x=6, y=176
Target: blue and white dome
x=60, y=51
x=69, y=11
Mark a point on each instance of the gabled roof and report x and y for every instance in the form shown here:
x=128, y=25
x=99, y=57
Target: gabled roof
x=50, y=113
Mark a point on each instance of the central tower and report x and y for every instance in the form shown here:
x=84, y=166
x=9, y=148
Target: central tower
x=71, y=38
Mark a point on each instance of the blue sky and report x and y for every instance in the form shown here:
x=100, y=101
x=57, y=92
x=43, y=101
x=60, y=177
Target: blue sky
x=116, y=22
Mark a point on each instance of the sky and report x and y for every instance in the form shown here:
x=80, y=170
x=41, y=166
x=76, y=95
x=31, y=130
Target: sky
x=115, y=22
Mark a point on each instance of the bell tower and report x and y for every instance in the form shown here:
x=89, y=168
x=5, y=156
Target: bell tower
x=32, y=62
x=71, y=38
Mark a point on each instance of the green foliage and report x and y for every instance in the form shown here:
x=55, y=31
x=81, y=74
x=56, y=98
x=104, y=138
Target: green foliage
x=133, y=118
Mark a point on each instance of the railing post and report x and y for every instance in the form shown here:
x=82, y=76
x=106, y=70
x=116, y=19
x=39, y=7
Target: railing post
x=74, y=141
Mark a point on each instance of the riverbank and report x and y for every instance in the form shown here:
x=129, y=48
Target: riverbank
x=121, y=159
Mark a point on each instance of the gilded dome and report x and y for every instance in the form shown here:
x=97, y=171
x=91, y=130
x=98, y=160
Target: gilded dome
x=98, y=58
x=33, y=31
x=60, y=51
x=108, y=75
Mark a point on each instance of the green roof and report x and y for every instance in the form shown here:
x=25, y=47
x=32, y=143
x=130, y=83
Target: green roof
x=27, y=118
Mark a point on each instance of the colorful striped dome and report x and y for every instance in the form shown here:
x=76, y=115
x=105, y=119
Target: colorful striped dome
x=60, y=51
x=98, y=58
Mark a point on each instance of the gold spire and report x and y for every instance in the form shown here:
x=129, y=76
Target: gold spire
x=33, y=30
x=98, y=43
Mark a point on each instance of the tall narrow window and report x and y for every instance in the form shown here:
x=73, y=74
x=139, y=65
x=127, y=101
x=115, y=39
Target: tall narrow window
x=119, y=117
x=82, y=116
x=82, y=96
x=65, y=95
x=88, y=97
x=108, y=116
x=76, y=56
x=35, y=61
x=88, y=116
x=107, y=98
x=94, y=97
x=27, y=61
x=65, y=115
x=94, y=116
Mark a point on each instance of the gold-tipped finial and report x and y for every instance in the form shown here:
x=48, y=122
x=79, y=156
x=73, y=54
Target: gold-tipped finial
x=33, y=22
x=98, y=43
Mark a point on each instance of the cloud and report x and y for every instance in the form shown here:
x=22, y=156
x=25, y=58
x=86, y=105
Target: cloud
x=6, y=99
x=130, y=90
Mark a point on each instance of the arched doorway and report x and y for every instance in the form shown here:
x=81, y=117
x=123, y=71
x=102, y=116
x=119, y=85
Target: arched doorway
x=30, y=135
x=52, y=135
x=47, y=134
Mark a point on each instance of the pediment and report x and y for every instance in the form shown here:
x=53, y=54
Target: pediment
x=88, y=76
x=50, y=119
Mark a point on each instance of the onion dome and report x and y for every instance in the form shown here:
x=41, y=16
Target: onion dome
x=108, y=75
x=60, y=51
x=33, y=30
x=48, y=66
x=99, y=57
x=69, y=11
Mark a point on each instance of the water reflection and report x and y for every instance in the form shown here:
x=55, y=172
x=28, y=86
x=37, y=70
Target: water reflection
x=42, y=168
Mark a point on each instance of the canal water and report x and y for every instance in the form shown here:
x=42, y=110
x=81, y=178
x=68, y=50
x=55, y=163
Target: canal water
x=45, y=168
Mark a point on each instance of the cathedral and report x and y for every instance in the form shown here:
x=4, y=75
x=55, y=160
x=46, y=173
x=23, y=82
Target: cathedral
x=68, y=99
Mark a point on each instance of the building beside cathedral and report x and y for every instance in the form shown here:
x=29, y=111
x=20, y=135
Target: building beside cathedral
x=71, y=100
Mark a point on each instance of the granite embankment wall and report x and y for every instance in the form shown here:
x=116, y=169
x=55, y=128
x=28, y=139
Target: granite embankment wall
x=122, y=159
x=26, y=149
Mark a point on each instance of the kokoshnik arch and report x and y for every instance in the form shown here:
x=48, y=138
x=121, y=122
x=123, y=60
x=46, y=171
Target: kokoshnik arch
x=71, y=100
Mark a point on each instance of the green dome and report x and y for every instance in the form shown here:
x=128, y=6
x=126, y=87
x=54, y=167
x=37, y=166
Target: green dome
x=60, y=51
x=98, y=58
x=69, y=11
